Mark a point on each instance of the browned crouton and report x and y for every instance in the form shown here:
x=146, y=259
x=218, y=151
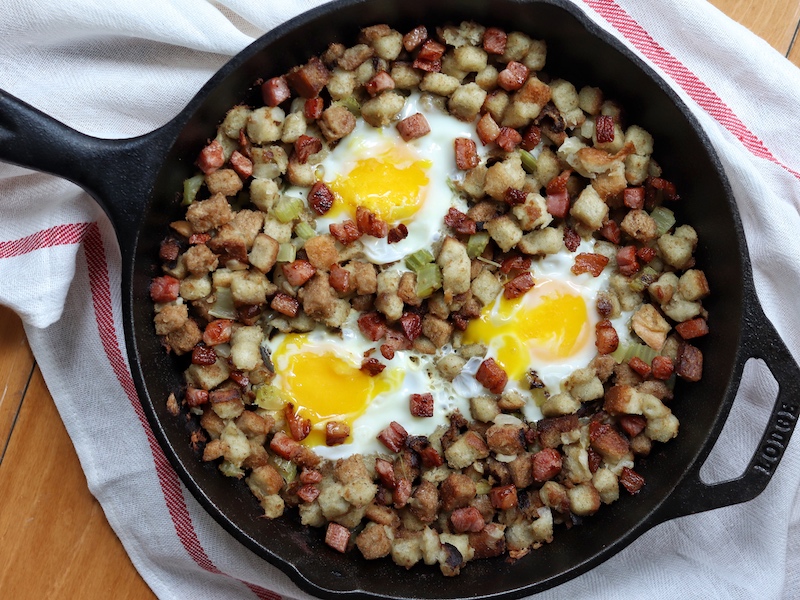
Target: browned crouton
x=209, y=214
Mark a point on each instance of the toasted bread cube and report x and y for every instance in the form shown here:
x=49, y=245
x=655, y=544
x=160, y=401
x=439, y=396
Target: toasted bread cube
x=628, y=298
x=693, y=285
x=294, y=125
x=265, y=124
x=641, y=140
x=564, y=95
x=342, y=84
x=466, y=450
x=640, y=226
x=532, y=214
x=381, y=110
x=541, y=241
x=606, y=484
x=520, y=113
x=321, y=251
x=209, y=214
x=280, y=232
x=195, y=287
x=505, y=231
x=560, y=404
x=405, y=76
x=388, y=301
x=676, y=250
x=466, y=101
x=487, y=79
x=269, y=162
x=235, y=120
x=450, y=365
x=389, y=46
x=517, y=47
x=503, y=175
x=496, y=104
x=470, y=59
x=250, y=287
x=590, y=100
x=439, y=83
x=335, y=123
x=636, y=168
x=485, y=287
x=536, y=56
x=207, y=377
x=438, y=331
x=584, y=385
x=679, y=309
x=590, y=209
x=584, y=499
x=456, y=268
x=264, y=253
x=223, y=181
x=664, y=287
x=301, y=174
x=467, y=33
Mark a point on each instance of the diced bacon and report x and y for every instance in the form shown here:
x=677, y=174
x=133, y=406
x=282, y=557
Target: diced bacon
x=320, y=198
x=589, y=262
x=312, y=108
x=397, y=234
x=309, y=79
x=211, y=158
x=513, y=76
x=393, y=437
x=631, y=480
x=431, y=50
x=305, y=146
x=691, y=329
x=518, y=286
x=310, y=476
x=611, y=231
x=494, y=40
x=413, y=127
x=199, y=238
x=239, y=378
x=460, y=222
x=402, y=492
x=607, y=441
x=380, y=82
x=487, y=129
x=690, y=363
x=531, y=138
x=337, y=537
x=219, y=396
x=632, y=425
x=604, y=129
x=626, y=260
x=203, y=355
x=285, y=304
x=633, y=198
x=646, y=254
x=385, y=471
x=298, y=426
x=387, y=351
x=372, y=366
x=467, y=520
x=411, y=324
x=558, y=183
x=339, y=279
x=571, y=239
x=491, y=376
x=421, y=405
x=515, y=263
x=285, y=446
x=655, y=184
x=244, y=143
x=514, y=196
x=241, y=164
x=298, y=272
x=372, y=325
x=345, y=232
x=275, y=91
x=638, y=365
x=606, y=338
x=164, y=289
x=662, y=367
x=169, y=250
x=249, y=313
x=508, y=139
x=414, y=38
x=558, y=204
x=466, y=154
x=429, y=456
x=368, y=223
x=429, y=66
x=459, y=321
x=308, y=493
x=195, y=397
x=336, y=432
x=546, y=464
x=503, y=497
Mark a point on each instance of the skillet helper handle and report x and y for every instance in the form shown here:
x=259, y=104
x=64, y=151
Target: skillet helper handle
x=761, y=340
x=105, y=168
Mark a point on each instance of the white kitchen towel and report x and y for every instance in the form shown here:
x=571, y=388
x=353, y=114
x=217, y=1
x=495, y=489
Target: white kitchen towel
x=115, y=69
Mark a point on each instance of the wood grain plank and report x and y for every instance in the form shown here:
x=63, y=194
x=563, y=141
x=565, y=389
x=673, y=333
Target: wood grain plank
x=60, y=540
x=16, y=366
x=794, y=52
x=775, y=20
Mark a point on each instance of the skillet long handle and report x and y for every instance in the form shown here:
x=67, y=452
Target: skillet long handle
x=110, y=170
x=693, y=495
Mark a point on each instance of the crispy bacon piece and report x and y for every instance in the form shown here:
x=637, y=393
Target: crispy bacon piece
x=492, y=376
x=211, y=158
x=518, y=286
x=690, y=363
x=241, y=164
x=337, y=537
x=546, y=464
x=467, y=520
x=662, y=367
x=397, y=234
x=346, y=232
x=631, y=480
x=641, y=367
x=655, y=184
x=380, y=82
x=571, y=239
x=305, y=146
x=431, y=50
x=517, y=262
x=514, y=196
x=466, y=154
x=298, y=426
x=203, y=355
x=429, y=66
x=646, y=254
x=372, y=366
x=310, y=476
x=606, y=338
x=632, y=425
x=393, y=437
x=594, y=459
x=195, y=397
x=239, y=378
x=692, y=329
x=494, y=40
x=411, y=324
x=249, y=313
x=320, y=197
x=285, y=446
x=415, y=37
x=385, y=470
x=421, y=405
x=169, y=250
x=387, y=351
x=429, y=456
x=589, y=262
x=285, y=304
x=633, y=198
x=298, y=272
x=513, y=76
x=503, y=497
x=604, y=129
x=611, y=231
x=164, y=289
x=508, y=138
x=460, y=222
x=531, y=138
x=339, y=279
x=199, y=238
x=372, y=325
x=368, y=223
x=402, y=492
x=224, y=395
x=397, y=340
x=487, y=129
x=558, y=204
x=275, y=91
x=336, y=432
x=559, y=182
x=312, y=109
x=309, y=79
x=413, y=127
x=308, y=493
x=626, y=260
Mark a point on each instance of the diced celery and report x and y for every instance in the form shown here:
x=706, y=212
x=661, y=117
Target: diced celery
x=477, y=244
x=429, y=279
x=528, y=161
x=190, y=188
x=287, y=209
x=643, y=279
x=482, y=486
x=418, y=260
x=286, y=468
x=351, y=104
x=230, y=470
x=625, y=352
x=223, y=307
x=270, y=397
x=539, y=396
x=286, y=253
x=664, y=219
x=304, y=230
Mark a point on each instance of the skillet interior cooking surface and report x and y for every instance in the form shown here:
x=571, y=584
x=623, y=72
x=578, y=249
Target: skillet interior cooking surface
x=138, y=188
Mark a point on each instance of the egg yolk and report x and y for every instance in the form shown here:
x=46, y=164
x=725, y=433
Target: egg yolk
x=323, y=386
x=549, y=323
x=391, y=185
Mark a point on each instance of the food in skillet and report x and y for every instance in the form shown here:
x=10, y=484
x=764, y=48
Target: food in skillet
x=434, y=299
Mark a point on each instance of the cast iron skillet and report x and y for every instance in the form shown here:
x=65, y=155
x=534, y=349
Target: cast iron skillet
x=136, y=180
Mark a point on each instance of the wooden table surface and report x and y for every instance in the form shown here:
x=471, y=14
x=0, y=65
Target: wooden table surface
x=55, y=541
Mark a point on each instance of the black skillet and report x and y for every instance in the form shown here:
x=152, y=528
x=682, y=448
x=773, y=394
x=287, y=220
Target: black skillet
x=136, y=181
